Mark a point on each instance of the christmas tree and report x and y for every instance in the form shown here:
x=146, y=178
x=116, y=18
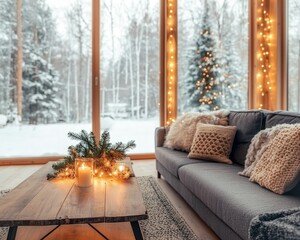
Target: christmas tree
x=203, y=85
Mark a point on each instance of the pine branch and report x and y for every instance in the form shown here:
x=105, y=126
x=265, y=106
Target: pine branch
x=130, y=145
x=87, y=147
x=59, y=165
x=75, y=136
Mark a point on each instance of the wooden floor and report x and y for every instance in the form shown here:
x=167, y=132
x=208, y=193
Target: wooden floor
x=11, y=176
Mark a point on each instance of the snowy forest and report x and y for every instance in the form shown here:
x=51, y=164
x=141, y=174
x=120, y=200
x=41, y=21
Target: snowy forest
x=46, y=68
x=45, y=60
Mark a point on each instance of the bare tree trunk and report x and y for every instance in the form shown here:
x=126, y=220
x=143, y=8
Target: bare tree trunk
x=118, y=82
x=131, y=81
x=109, y=9
x=80, y=84
x=87, y=87
x=146, y=65
x=10, y=47
x=76, y=88
x=68, y=91
x=36, y=69
x=76, y=18
x=137, y=58
x=138, y=43
x=126, y=70
x=19, y=59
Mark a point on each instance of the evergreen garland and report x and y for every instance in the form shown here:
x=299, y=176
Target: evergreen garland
x=88, y=147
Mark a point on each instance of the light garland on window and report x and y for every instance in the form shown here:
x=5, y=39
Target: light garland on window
x=171, y=60
x=264, y=42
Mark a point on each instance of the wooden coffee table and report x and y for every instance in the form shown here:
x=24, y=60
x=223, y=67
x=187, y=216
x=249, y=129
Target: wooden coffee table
x=39, y=202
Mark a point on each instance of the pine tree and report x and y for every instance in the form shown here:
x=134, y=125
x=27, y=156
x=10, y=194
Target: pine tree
x=7, y=58
x=40, y=80
x=203, y=85
x=41, y=84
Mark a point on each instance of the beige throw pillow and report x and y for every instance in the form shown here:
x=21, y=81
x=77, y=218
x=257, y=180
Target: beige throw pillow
x=213, y=143
x=278, y=169
x=259, y=144
x=181, y=133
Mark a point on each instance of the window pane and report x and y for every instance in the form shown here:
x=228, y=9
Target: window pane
x=130, y=71
x=212, y=55
x=45, y=75
x=293, y=55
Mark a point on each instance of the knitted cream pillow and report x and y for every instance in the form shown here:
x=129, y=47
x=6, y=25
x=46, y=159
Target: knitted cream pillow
x=181, y=133
x=259, y=143
x=213, y=143
x=278, y=169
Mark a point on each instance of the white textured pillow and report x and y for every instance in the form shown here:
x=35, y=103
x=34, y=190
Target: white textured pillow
x=181, y=133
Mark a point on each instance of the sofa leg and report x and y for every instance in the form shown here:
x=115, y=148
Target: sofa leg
x=158, y=174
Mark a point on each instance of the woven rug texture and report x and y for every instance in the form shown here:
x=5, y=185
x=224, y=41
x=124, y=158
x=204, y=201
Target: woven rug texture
x=164, y=222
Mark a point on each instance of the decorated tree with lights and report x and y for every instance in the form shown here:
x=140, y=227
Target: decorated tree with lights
x=203, y=85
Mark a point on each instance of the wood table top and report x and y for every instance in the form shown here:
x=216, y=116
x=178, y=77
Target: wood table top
x=37, y=201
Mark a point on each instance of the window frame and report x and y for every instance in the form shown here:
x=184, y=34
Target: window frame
x=281, y=80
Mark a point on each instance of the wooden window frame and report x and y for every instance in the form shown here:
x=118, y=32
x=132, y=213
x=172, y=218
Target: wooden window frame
x=278, y=99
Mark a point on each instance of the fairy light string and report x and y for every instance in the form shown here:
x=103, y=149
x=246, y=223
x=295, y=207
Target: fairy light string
x=264, y=42
x=171, y=60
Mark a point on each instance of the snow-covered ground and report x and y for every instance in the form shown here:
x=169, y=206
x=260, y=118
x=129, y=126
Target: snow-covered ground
x=52, y=139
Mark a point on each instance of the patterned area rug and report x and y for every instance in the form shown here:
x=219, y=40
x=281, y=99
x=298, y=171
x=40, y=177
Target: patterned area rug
x=3, y=230
x=164, y=221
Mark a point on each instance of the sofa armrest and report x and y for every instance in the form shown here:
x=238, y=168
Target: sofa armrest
x=160, y=133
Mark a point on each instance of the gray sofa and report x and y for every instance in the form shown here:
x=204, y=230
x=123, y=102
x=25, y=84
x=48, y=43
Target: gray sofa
x=226, y=201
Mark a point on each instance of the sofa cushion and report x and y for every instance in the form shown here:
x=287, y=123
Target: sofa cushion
x=259, y=144
x=213, y=143
x=181, y=133
x=278, y=169
x=248, y=124
x=231, y=197
x=280, y=117
x=172, y=160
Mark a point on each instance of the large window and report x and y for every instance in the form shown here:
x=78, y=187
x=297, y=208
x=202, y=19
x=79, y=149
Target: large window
x=129, y=60
x=45, y=75
x=293, y=55
x=212, y=55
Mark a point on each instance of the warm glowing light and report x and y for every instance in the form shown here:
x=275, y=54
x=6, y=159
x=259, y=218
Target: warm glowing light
x=121, y=168
x=171, y=51
x=83, y=172
x=264, y=38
